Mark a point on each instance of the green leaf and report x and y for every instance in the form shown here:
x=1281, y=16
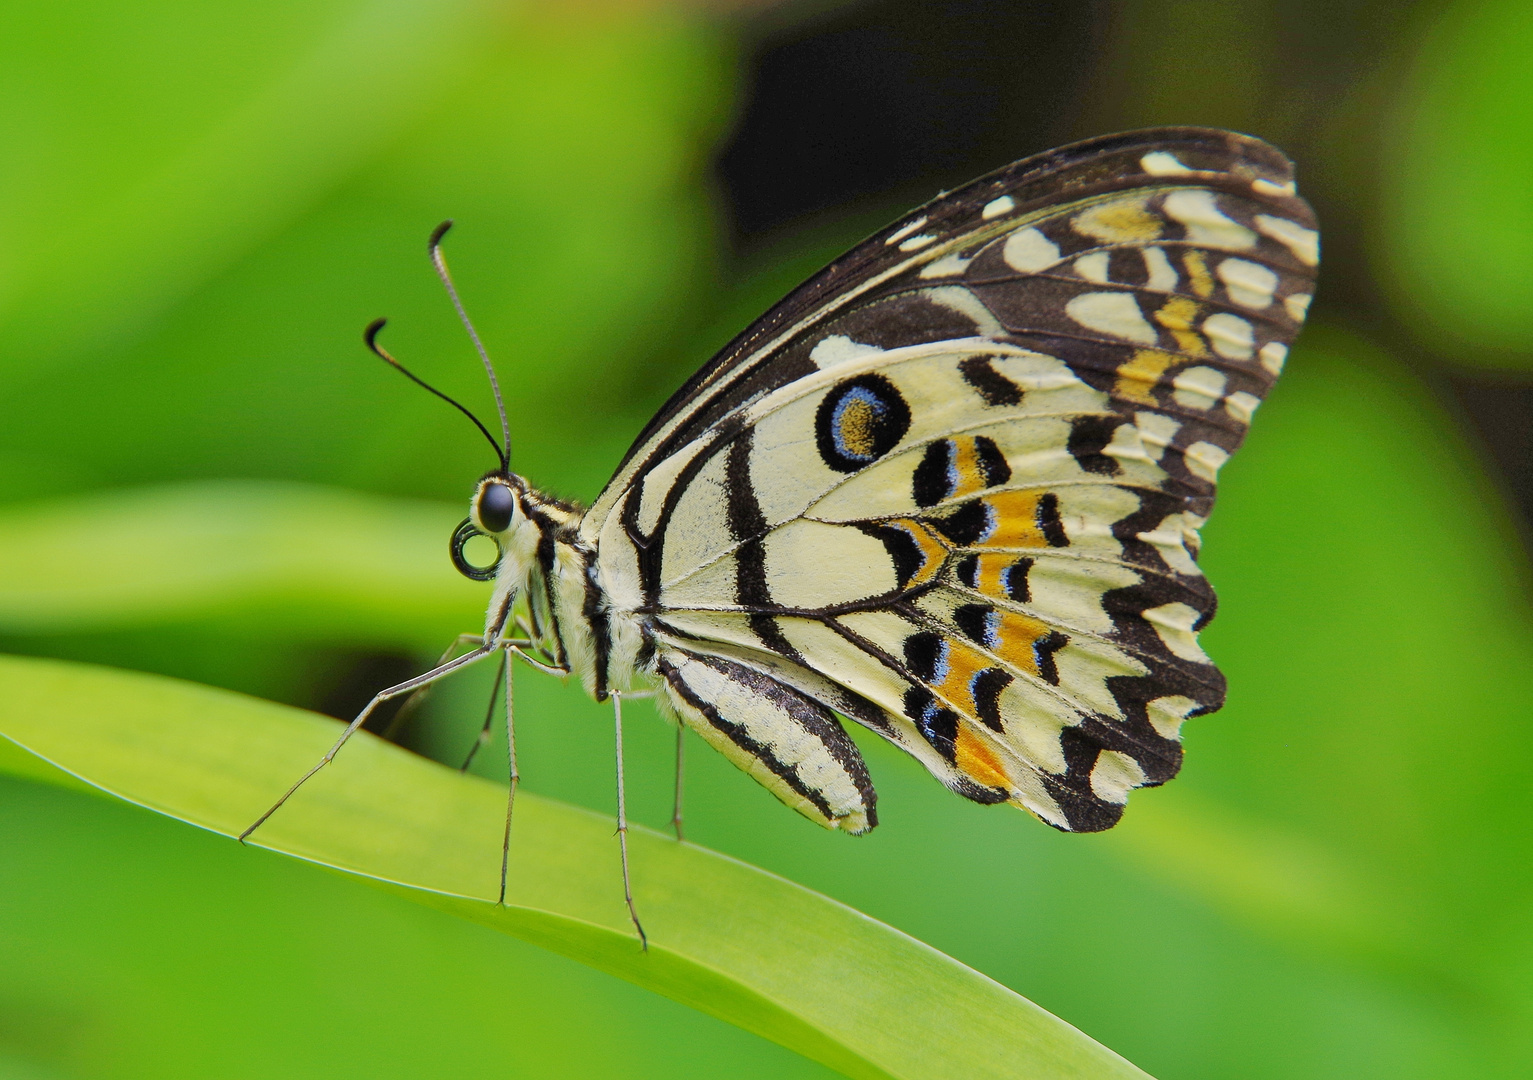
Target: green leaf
x=309, y=559
x=733, y=941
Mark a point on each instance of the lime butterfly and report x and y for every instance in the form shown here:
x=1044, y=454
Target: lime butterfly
x=949, y=489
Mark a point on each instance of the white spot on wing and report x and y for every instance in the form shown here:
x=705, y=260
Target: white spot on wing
x=1297, y=306
x=1205, y=459
x=1304, y=243
x=1093, y=267
x=1206, y=223
x=904, y=231
x=959, y=299
x=1249, y=284
x=947, y=266
x=1156, y=430
x=1241, y=405
x=1200, y=387
x=1162, y=163
x=1231, y=336
x=1273, y=354
x=1162, y=275
x=838, y=349
x=996, y=207
x=1114, y=775
x=1174, y=623
x=1263, y=186
x=1114, y=313
x=1175, y=539
x=1128, y=445
x=1167, y=714
x=1029, y=251
x=915, y=243
x=1035, y=371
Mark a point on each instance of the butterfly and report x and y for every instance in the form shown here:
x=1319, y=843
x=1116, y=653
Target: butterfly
x=949, y=489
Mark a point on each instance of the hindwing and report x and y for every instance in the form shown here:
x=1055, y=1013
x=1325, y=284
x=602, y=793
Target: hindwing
x=951, y=487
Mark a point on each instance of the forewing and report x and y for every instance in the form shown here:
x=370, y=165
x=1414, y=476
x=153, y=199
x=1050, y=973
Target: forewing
x=959, y=475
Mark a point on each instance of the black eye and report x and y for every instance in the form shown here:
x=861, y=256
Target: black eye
x=496, y=502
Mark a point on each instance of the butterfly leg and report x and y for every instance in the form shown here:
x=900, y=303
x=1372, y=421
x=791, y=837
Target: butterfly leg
x=406, y=687
x=489, y=721
x=417, y=698
x=622, y=820
x=505, y=843
x=547, y=669
x=502, y=678
x=681, y=751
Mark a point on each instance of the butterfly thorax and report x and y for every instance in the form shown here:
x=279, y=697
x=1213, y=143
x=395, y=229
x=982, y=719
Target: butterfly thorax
x=548, y=590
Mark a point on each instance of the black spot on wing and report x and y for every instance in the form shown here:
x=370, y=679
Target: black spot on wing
x=993, y=465
x=1049, y=522
x=943, y=472
x=1135, y=736
x=975, y=622
x=937, y=725
x=930, y=484
x=993, y=387
x=904, y=551
x=1014, y=578
x=1089, y=436
x=1044, y=649
x=986, y=690
x=1082, y=809
x=924, y=654
x=969, y=524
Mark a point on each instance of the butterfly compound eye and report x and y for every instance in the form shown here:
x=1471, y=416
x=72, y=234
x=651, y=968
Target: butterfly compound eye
x=495, y=506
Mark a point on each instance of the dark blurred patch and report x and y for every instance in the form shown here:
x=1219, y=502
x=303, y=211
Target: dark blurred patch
x=872, y=107
x=889, y=101
x=346, y=681
x=1501, y=411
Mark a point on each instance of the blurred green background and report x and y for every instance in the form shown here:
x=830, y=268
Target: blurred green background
x=202, y=205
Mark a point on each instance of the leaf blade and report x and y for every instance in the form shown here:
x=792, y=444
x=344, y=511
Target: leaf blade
x=744, y=945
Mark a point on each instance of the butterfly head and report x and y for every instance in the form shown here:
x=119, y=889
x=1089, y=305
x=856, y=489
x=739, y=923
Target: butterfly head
x=498, y=510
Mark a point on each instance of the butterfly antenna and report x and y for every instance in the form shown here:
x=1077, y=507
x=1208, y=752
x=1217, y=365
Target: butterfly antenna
x=434, y=246
x=370, y=335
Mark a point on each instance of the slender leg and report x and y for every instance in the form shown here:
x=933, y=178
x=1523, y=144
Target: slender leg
x=505, y=844
x=489, y=719
x=681, y=752
x=384, y=695
x=546, y=669
x=418, y=697
x=622, y=822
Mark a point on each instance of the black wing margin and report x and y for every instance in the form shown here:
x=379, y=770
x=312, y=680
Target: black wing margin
x=744, y=369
